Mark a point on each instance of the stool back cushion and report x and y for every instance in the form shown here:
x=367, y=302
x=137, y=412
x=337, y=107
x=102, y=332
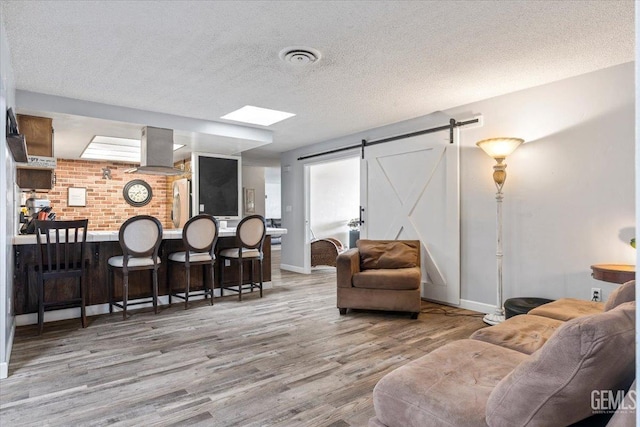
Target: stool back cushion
x=141, y=234
x=623, y=293
x=377, y=254
x=553, y=386
x=251, y=231
x=201, y=232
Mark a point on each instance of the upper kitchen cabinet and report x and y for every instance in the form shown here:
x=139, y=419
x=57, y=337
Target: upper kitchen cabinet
x=38, y=133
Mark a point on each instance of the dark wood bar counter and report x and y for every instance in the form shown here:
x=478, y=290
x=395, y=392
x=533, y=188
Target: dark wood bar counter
x=99, y=251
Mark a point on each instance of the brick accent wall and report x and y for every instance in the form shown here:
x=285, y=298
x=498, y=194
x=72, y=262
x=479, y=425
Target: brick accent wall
x=106, y=207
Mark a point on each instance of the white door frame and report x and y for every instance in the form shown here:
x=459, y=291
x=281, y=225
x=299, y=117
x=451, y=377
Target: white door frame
x=307, y=204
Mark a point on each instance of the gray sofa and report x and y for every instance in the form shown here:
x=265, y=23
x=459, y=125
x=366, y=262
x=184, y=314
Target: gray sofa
x=528, y=371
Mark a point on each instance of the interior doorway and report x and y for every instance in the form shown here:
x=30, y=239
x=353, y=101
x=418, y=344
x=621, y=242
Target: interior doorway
x=333, y=202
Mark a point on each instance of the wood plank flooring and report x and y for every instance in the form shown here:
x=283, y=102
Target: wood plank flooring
x=288, y=359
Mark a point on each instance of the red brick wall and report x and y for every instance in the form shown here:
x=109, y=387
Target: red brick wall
x=106, y=207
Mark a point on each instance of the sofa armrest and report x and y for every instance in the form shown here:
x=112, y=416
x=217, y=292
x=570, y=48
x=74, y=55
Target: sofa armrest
x=348, y=264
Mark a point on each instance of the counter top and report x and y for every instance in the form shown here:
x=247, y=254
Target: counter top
x=112, y=236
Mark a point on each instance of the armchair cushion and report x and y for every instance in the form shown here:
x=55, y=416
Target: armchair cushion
x=397, y=278
x=376, y=254
x=553, y=387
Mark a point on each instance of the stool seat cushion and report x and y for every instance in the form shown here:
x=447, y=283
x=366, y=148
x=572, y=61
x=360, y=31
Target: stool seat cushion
x=234, y=253
x=117, y=261
x=193, y=256
x=525, y=333
x=568, y=308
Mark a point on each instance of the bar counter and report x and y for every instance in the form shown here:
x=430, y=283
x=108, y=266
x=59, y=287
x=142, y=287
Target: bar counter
x=101, y=245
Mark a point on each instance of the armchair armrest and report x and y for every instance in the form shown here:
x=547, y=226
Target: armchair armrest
x=348, y=264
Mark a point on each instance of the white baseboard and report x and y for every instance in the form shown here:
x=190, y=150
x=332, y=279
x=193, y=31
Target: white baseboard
x=293, y=268
x=477, y=306
x=94, y=310
x=4, y=366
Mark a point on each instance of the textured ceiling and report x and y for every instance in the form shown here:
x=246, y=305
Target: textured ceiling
x=382, y=61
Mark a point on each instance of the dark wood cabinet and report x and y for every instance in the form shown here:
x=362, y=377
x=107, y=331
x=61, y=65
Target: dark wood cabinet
x=38, y=134
x=34, y=179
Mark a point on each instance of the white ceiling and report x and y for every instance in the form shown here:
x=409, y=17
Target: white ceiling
x=382, y=61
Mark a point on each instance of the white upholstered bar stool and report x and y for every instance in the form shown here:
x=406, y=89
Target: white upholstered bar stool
x=250, y=235
x=140, y=238
x=199, y=236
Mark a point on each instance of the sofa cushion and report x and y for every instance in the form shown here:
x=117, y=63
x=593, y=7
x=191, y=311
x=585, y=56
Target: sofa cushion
x=447, y=387
x=525, y=333
x=376, y=254
x=568, y=308
x=623, y=293
x=554, y=386
x=396, y=279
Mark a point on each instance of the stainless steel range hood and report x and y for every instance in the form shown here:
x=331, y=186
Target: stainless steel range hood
x=156, y=152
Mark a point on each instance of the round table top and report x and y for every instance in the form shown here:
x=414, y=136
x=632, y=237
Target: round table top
x=614, y=273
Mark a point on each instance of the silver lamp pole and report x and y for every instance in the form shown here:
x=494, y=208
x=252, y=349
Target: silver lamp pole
x=499, y=149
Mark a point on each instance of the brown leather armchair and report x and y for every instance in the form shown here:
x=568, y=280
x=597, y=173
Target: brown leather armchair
x=380, y=275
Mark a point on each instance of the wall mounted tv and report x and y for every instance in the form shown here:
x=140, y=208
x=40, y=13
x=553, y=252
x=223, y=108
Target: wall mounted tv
x=217, y=186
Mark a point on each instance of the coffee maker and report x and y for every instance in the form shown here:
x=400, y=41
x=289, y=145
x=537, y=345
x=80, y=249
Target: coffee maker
x=36, y=209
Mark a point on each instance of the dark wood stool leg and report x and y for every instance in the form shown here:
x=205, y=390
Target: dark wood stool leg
x=221, y=262
x=40, y=302
x=260, y=275
x=169, y=282
x=187, y=274
x=155, y=290
x=251, y=281
x=240, y=280
x=213, y=283
x=110, y=282
x=125, y=294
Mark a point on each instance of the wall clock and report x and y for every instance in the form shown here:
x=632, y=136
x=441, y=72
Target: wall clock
x=137, y=193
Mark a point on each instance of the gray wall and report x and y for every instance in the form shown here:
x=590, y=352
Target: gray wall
x=7, y=215
x=569, y=196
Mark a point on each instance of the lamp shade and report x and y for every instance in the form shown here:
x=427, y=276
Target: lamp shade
x=499, y=148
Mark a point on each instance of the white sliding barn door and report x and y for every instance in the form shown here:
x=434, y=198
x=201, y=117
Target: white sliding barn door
x=410, y=189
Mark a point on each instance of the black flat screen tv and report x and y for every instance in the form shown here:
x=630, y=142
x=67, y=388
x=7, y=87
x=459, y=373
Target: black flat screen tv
x=217, y=189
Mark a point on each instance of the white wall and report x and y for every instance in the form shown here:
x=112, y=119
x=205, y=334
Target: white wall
x=253, y=177
x=273, y=192
x=334, y=197
x=7, y=217
x=569, y=199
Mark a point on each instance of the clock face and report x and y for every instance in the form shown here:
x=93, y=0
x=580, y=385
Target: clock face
x=137, y=192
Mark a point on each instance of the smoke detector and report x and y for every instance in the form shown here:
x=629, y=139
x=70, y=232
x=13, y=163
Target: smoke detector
x=299, y=56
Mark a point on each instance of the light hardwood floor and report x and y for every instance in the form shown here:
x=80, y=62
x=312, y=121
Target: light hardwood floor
x=288, y=359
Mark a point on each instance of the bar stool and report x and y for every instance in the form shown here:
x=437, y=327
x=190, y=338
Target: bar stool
x=199, y=236
x=250, y=235
x=140, y=238
x=60, y=256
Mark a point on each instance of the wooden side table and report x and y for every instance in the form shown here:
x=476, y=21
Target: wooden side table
x=613, y=273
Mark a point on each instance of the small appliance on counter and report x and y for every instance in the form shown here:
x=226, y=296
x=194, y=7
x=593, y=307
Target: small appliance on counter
x=36, y=209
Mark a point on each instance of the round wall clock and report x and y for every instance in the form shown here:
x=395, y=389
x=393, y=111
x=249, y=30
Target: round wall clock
x=137, y=192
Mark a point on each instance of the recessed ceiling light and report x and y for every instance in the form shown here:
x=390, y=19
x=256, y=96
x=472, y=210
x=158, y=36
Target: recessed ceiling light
x=257, y=115
x=116, y=149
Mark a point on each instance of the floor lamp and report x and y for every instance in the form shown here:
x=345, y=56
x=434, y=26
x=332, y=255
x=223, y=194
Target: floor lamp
x=499, y=149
